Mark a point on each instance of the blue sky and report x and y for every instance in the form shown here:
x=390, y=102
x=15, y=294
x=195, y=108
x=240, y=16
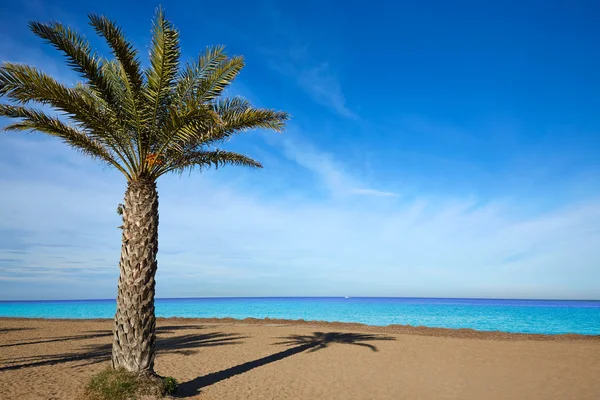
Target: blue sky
x=443, y=149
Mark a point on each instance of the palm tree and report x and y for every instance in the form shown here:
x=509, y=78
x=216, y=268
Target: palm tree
x=145, y=122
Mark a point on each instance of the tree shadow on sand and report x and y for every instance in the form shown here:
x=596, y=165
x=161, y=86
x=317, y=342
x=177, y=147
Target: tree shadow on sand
x=87, y=335
x=94, y=334
x=6, y=330
x=309, y=343
x=92, y=354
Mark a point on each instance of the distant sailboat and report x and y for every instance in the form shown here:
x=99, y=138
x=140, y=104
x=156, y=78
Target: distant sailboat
x=346, y=297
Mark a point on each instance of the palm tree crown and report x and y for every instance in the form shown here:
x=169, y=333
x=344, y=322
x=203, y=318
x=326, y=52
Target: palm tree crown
x=143, y=121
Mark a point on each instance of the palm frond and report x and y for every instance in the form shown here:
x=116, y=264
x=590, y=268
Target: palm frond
x=128, y=99
x=125, y=72
x=35, y=120
x=25, y=84
x=117, y=134
x=183, y=130
x=207, y=158
x=80, y=56
x=237, y=114
x=192, y=76
x=189, y=126
x=121, y=48
x=201, y=127
x=160, y=76
x=218, y=79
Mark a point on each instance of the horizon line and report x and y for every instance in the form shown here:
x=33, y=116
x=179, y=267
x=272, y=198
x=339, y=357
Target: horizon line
x=306, y=297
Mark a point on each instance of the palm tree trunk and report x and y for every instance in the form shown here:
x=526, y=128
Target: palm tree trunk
x=135, y=322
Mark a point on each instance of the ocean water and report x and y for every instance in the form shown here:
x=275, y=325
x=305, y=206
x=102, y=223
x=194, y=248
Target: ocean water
x=523, y=316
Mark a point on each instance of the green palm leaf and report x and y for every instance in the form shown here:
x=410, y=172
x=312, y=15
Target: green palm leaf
x=194, y=74
x=147, y=121
x=123, y=50
x=79, y=55
x=164, y=65
x=206, y=158
x=218, y=79
x=34, y=120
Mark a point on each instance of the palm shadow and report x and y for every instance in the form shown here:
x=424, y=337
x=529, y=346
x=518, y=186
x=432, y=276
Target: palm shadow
x=92, y=354
x=95, y=334
x=6, y=330
x=320, y=340
x=309, y=343
x=87, y=335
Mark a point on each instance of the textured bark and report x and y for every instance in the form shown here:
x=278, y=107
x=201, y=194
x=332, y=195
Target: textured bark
x=135, y=322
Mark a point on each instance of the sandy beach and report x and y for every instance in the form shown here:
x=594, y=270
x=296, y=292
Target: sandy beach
x=275, y=359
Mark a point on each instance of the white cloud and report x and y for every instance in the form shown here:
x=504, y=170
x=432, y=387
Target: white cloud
x=216, y=239
x=315, y=76
x=372, y=192
x=338, y=181
x=324, y=87
x=316, y=79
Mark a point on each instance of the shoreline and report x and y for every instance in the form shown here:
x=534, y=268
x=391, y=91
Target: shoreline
x=317, y=297
x=458, y=333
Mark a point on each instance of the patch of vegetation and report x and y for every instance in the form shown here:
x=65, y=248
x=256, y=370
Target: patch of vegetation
x=119, y=384
x=169, y=385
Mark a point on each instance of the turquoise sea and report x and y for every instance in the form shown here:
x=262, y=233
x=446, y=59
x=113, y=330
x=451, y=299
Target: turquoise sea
x=524, y=316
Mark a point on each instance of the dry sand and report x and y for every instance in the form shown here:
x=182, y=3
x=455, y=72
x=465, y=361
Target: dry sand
x=271, y=359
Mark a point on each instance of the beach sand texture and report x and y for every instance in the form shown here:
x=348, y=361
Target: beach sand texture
x=273, y=359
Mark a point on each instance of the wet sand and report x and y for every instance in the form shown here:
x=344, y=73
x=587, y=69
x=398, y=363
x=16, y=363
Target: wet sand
x=276, y=359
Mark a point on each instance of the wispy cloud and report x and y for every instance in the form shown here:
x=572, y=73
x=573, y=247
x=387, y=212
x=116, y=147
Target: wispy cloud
x=331, y=173
x=316, y=79
x=239, y=242
x=372, y=192
x=294, y=58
